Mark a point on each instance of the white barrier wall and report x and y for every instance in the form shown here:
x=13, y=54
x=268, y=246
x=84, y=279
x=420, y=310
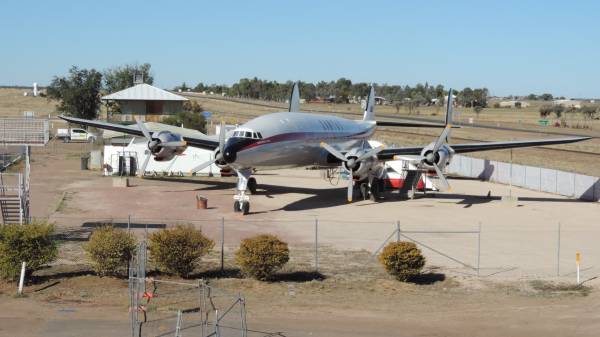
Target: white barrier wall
x=180, y=165
x=534, y=178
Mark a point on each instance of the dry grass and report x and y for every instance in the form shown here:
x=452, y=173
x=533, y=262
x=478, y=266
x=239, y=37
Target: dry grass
x=13, y=103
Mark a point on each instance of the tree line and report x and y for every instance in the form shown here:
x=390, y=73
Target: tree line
x=342, y=90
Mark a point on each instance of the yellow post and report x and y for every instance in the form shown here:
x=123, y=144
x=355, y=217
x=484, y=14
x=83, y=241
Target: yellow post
x=578, y=262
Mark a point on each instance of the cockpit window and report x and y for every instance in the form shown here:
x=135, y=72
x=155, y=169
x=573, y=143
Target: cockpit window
x=259, y=135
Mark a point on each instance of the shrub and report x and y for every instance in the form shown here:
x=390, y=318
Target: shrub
x=110, y=249
x=402, y=260
x=260, y=256
x=31, y=243
x=178, y=250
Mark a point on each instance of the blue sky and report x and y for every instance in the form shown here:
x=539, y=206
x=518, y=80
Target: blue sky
x=511, y=47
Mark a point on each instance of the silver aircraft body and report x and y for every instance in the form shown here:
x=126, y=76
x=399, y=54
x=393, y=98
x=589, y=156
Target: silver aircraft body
x=295, y=139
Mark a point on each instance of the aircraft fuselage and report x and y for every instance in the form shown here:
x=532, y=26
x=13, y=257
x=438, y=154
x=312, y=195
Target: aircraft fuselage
x=292, y=139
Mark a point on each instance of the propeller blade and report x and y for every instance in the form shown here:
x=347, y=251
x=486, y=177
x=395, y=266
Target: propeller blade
x=445, y=185
x=370, y=153
x=442, y=138
x=333, y=151
x=145, y=164
x=174, y=144
x=350, y=186
x=143, y=128
x=203, y=166
x=222, y=134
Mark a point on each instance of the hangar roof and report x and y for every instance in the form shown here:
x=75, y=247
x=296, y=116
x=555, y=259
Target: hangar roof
x=143, y=92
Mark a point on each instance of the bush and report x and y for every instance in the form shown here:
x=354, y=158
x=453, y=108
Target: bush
x=110, y=249
x=260, y=256
x=402, y=260
x=31, y=243
x=178, y=250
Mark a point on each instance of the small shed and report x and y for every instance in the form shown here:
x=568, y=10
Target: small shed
x=144, y=101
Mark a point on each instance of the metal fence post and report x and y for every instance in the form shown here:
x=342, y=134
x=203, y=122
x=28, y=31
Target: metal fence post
x=478, y=248
x=222, y=244
x=178, y=325
x=128, y=222
x=316, y=244
x=558, y=251
x=398, y=231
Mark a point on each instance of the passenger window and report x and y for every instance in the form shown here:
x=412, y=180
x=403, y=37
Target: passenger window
x=259, y=135
x=248, y=134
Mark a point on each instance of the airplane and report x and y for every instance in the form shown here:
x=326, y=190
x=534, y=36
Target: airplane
x=292, y=139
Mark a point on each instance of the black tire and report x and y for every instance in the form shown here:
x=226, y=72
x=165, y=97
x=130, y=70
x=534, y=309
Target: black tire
x=246, y=208
x=374, y=192
x=252, y=185
x=236, y=206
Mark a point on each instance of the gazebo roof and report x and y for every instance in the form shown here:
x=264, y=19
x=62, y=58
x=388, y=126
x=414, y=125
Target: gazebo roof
x=143, y=92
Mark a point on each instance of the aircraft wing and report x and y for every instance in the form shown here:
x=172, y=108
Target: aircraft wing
x=388, y=154
x=412, y=124
x=199, y=142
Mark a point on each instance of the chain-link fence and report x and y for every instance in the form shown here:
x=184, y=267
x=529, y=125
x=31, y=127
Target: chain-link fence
x=510, y=250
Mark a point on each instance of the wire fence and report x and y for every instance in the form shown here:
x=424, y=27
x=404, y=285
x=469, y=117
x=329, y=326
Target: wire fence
x=319, y=245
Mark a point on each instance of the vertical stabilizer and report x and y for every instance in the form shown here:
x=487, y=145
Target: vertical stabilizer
x=369, y=110
x=295, y=99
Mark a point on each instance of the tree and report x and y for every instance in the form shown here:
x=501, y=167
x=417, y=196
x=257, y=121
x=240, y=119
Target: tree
x=532, y=97
x=546, y=110
x=122, y=77
x=546, y=97
x=191, y=117
x=78, y=94
x=558, y=110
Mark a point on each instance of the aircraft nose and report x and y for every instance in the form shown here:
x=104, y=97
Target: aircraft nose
x=229, y=154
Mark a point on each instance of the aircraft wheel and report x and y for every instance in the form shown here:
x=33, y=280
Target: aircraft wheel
x=374, y=195
x=246, y=208
x=252, y=185
x=236, y=206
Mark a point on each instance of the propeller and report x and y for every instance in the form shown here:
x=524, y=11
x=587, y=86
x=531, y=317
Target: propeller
x=351, y=162
x=219, y=156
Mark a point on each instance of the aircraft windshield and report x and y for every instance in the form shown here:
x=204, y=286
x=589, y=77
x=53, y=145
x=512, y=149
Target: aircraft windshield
x=247, y=134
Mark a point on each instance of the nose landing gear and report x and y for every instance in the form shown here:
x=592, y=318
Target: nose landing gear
x=245, y=182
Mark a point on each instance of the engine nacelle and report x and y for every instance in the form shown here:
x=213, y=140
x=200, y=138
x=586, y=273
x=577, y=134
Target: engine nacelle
x=165, y=153
x=441, y=158
x=361, y=169
x=222, y=164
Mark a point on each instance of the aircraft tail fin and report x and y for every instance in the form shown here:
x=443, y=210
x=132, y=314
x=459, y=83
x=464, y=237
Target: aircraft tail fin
x=369, y=109
x=295, y=99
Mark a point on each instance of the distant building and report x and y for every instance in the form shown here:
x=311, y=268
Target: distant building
x=144, y=101
x=514, y=104
x=568, y=103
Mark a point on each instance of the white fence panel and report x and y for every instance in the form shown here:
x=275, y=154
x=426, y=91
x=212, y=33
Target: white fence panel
x=518, y=175
x=477, y=167
x=584, y=187
x=533, y=178
x=503, y=175
x=565, y=183
x=548, y=180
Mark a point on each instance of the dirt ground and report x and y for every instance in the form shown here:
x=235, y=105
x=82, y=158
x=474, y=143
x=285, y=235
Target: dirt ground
x=516, y=294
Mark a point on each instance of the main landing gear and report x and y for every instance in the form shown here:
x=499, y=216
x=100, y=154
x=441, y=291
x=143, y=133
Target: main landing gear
x=245, y=183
